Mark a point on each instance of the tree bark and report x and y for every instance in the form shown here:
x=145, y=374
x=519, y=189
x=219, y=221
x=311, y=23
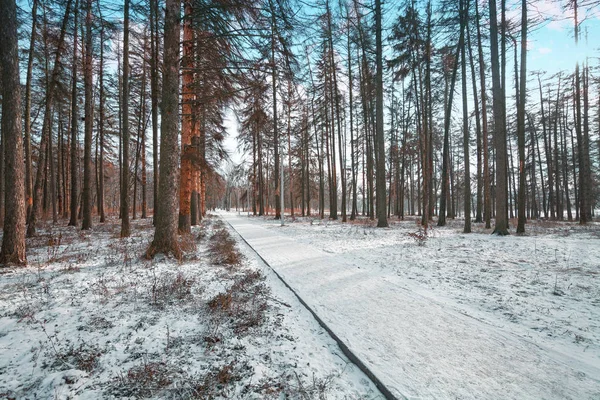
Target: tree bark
x=28, y=162
x=380, y=175
x=13, y=239
x=187, y=150
x=487, y=202
x=125, y=228
x=154, y=94
x=89, y=119
x=101, y=211
x=501, y=226
x=521, y=120
x=165, y=234
x=464, y=5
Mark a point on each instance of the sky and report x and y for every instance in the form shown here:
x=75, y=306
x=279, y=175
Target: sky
x=552, y=45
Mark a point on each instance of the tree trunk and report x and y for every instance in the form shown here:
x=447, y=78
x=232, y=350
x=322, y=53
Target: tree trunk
x=125, y=228
x=185, y=183
x=165, y=235
x=467, y=200
x=28, y=162
x=501, y=227
x=89, y=119
x=487, y=202
x=521, y=120
x=154, y=94
x=13, y=239
x=74, y=122
x=379, y=138
x=101, y=128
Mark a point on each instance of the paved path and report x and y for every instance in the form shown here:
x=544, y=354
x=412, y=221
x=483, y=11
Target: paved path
x=418, y=348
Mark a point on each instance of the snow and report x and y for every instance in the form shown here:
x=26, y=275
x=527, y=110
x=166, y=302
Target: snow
x=452, y=315
x=90, y=319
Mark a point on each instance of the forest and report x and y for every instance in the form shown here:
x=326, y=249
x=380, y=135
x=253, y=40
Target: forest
x=339, y=112
x=343, y=199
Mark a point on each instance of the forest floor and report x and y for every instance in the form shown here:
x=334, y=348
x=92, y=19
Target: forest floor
x=447, y=314
x=89, y=318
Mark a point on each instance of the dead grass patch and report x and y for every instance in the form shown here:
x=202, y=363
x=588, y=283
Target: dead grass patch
x=143, y=380
x=222, y=249
x=168, y=288
x=244, y=303
x=84, y=357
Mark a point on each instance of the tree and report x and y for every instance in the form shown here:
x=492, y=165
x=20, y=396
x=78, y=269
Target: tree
x=154, y=95
x=187, y=122
x=501, y=227
x=521, y=119
x=28, y=162
x=13, y=240
x=464, y=12
x=89, y=119
x=125, y=229
x=74, y=122
x=379, y=138
x=487, y=203
x=165, y=234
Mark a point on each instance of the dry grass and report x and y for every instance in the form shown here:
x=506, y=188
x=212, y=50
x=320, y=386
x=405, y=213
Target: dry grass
x=244, y=303
x=170, y=288
x=143, y=380
x=222, y=249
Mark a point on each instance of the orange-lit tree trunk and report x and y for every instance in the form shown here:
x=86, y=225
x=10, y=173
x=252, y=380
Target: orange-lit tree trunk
x=185, y=180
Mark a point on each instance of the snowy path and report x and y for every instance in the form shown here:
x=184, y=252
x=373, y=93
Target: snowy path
x=418, y=348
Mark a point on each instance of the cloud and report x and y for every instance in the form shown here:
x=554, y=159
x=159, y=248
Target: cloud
x=559, y=26
x=544, y=50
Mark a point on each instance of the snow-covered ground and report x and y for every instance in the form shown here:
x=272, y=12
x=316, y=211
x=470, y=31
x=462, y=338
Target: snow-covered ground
x=89, y=319
x=535, y=298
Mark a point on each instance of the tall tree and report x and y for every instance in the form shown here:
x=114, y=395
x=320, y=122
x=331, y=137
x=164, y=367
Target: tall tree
x=28, y=162
x=154, y=37
x=125, y=228
x=187, y=150
x=464, y=12
x=165, y=234
x=13, y=239
x=101, y=112
x=89, y=119
x=501, y=227
x=74, y=123
x=487, y=202
x=379, y=138
x=521, y=120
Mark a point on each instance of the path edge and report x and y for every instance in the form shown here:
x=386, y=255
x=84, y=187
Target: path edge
x=345, y=349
